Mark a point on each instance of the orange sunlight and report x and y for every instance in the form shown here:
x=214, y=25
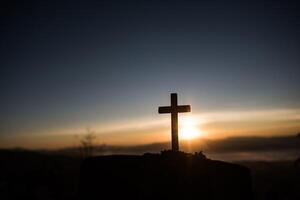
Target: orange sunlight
x=189, y=128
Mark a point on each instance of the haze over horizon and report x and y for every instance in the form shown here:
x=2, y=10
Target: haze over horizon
x=108, y=65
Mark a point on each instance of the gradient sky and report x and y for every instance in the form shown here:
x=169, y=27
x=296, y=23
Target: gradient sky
x=108, y=65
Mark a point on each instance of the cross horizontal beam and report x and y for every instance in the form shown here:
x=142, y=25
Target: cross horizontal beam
x=178, y=109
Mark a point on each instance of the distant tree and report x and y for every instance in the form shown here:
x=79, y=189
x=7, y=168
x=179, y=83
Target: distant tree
x=87, y=143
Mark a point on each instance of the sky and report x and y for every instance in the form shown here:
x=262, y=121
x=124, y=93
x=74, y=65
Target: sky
x=106, y=66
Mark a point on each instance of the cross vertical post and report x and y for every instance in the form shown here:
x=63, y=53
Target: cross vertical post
x=174, y=122
x=174, y=109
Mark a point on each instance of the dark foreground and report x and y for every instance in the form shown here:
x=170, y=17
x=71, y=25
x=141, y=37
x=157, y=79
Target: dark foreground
x=34, y=175
x=170, y=175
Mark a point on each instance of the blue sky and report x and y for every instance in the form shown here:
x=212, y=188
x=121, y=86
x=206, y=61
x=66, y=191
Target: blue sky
x=73, y=63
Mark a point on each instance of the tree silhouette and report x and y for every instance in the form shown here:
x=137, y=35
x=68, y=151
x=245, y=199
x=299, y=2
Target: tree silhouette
x=87, y=143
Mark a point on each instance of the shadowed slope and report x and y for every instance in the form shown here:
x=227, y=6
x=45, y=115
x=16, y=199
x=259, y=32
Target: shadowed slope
x=170, y=175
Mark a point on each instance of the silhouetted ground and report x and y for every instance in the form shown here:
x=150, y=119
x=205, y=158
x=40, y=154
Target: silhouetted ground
x=40, y=176
x=275, y=180
x=169, y=175
x=31, y=175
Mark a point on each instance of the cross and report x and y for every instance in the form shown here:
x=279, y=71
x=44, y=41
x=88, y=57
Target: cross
x=174, y=109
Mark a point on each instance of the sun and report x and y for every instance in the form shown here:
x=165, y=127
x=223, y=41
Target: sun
x=189, y=133
x=189, y=128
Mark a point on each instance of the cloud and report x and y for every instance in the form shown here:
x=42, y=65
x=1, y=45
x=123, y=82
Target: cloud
x=157, y=129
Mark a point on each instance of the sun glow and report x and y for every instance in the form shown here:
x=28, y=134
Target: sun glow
x=189, y=128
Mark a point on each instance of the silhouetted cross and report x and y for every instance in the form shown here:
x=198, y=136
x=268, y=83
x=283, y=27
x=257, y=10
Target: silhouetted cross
x=174, y=109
